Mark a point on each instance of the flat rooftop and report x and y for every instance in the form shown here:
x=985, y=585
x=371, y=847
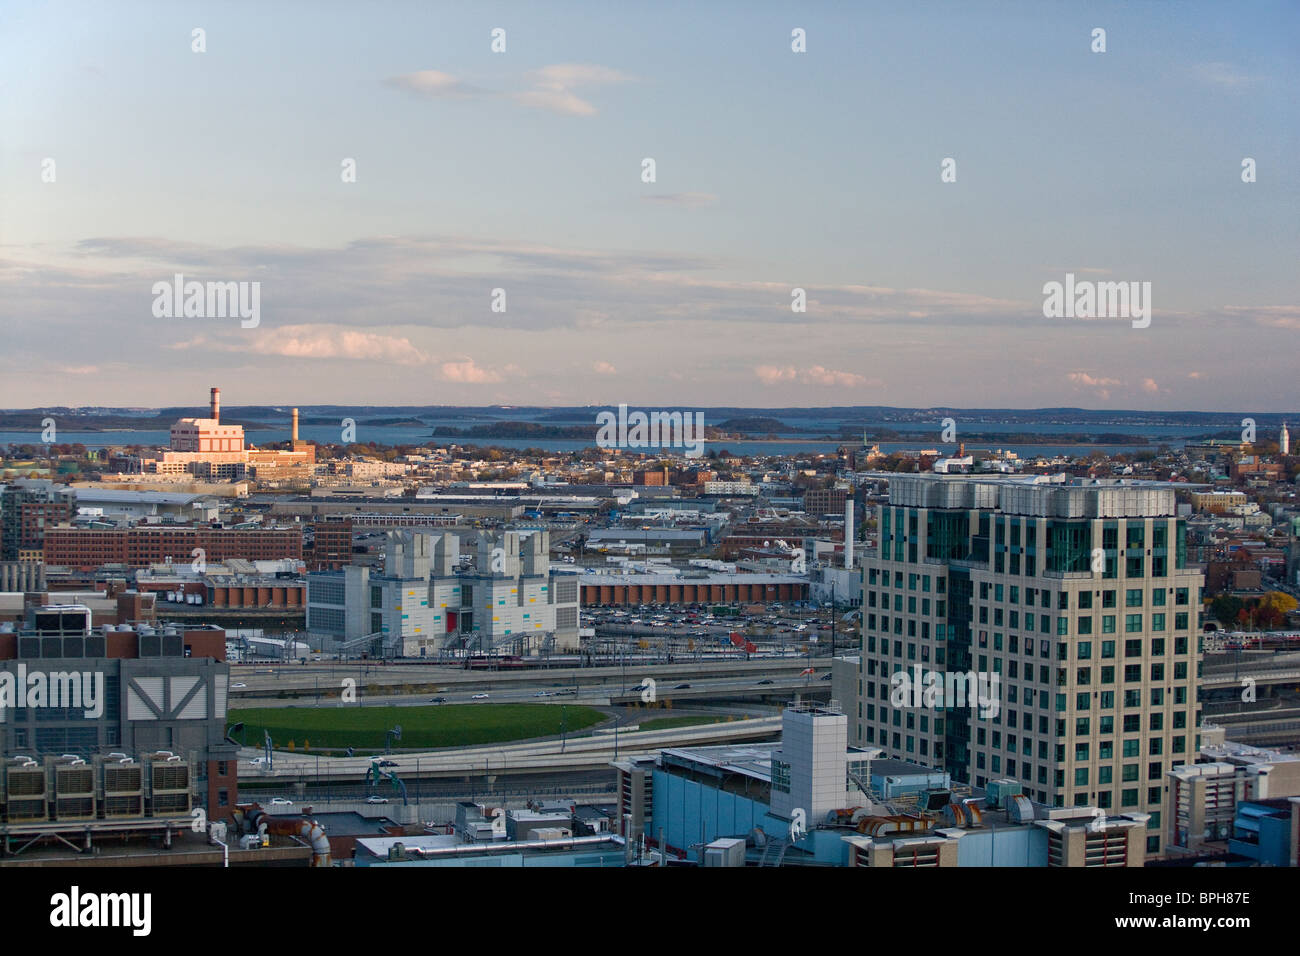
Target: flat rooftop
x=1044, y=496
x=748, y=760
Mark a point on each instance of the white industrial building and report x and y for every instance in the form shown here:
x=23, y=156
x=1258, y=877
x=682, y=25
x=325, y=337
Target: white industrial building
x=431, y=599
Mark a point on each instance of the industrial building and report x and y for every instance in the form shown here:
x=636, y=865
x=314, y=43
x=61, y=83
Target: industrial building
x=110, y=730
x=211, y=451
x=690, y=587
x=234, y=583
x=121, y=504
x=430, y=599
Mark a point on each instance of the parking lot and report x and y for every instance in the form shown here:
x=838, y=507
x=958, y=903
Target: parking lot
x=794, y=629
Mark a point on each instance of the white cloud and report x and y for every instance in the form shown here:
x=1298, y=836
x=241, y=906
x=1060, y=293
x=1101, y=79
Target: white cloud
x=813, y=375
x=1102, y=385
x=552, y=87
x=433, y=83
x=321, y=342
x=603, y=368
x=1083, y=378
x=468, y=372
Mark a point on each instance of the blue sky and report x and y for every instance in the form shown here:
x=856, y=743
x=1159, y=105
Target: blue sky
x=522, y=171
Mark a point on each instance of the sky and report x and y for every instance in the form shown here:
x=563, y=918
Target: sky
x=128, y=157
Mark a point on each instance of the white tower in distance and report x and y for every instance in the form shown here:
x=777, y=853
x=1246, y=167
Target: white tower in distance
x=1284, y=440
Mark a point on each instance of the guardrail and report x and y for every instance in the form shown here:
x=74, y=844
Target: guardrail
x=575, y=754
x=1256, y=675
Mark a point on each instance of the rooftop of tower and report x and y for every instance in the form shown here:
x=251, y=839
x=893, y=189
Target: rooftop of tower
x=1045, y=496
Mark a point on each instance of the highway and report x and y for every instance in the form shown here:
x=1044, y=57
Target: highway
x=553, y=756
x=602, y=693
x=288, y=685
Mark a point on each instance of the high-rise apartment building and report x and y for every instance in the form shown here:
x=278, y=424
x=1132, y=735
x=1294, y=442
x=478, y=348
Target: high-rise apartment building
x=27, y=508
x=1068, y=604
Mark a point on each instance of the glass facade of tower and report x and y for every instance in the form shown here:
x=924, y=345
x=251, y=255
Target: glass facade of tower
x=1075, y=606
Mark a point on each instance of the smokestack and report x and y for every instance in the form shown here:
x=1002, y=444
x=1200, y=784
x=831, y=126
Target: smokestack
x=295, y=426
x=215, y=413
x=848, y=534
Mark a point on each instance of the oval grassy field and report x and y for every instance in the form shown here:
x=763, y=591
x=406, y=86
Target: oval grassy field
x=423, y=728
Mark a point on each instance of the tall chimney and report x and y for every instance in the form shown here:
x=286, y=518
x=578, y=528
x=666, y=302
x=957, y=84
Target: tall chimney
x=294, y=436
x=215, y=413
x=848, y=534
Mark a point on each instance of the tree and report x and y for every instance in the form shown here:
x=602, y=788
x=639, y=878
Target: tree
x=1280, y=602
x=1225, y=608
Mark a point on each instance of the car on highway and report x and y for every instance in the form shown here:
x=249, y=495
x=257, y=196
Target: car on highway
x=827, y=677
x=385, y=763
x=765, y=681
x=479, y=697
x=437, y=700
x=237, y=686
x=258, y=762
x=543, y=693
x=682, y=687
x=281, y=802
x=374, y=799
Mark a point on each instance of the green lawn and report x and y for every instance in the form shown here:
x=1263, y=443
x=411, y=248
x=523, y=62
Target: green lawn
x=423, y=728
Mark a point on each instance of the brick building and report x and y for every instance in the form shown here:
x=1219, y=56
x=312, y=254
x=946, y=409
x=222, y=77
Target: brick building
x=327, y=545
x=140, y=547
x=825, y=501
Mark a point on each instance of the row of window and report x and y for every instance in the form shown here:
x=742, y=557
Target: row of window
x=1133, y=647
x=1083, y=700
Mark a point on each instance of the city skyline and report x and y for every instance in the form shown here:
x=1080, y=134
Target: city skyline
x=775, y=171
